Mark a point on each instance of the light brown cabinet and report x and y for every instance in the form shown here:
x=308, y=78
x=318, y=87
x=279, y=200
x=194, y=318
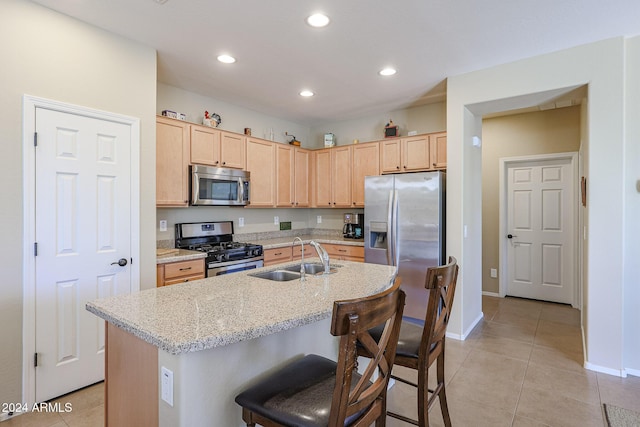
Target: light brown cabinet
x=172, y=162
x=414, y=153
x=333, y=177
x=277, y=255
x=261, y=163
x=214, y=147
x=366, y=162
x=308, y=251
x=438, y=150
x=344, y=252
x=179, y=272
x=292, y=176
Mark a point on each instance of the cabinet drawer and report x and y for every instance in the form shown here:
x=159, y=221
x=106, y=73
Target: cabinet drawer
x=308, y=251
x=182, y=269
x=345, y=252
x=277, y=255
x=183, y=279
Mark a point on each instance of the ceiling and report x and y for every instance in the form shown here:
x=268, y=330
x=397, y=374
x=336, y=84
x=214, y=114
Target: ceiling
x=278, y=54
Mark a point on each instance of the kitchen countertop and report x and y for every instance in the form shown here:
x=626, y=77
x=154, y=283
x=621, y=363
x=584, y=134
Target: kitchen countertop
x=181, y=255
x=223, y=310
x=281, y=242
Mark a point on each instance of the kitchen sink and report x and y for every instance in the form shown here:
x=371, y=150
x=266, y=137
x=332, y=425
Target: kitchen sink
x=277, y=275
x=310, y=268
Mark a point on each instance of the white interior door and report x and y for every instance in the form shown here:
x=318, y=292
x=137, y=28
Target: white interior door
x=82, y=227
x=541, y=230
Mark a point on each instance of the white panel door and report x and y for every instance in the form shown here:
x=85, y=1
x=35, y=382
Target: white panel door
x=541, y=233
x=83, y=227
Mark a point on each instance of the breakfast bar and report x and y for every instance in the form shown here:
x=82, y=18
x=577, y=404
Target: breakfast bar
x=178, y=355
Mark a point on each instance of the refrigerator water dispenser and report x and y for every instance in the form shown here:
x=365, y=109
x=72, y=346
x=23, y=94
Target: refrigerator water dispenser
x=378, y=232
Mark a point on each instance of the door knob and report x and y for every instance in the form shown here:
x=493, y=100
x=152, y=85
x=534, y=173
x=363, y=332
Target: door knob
x=121, y=262
x=510, y=236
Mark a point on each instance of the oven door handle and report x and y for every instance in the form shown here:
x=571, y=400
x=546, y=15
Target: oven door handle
x=236, y=262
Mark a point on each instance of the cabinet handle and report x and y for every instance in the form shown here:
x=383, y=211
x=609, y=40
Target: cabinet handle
x=329, y=203
x=434, y=165
x=292, y=203
x=186, y=280
x=185, y=269
x=224, y=163
x=405, y=166
x=216, y=162
x=278, y=253
x=342, y=250
x=397, y=167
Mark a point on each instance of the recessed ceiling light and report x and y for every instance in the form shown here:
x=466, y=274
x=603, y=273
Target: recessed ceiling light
x=318, y=20
x=387, y=72
x=306, y=93
x=227, y=59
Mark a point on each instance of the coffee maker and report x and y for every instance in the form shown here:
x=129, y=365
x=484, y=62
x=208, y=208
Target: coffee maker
x=353, y=226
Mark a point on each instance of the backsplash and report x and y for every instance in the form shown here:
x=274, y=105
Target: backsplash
x=254, y=237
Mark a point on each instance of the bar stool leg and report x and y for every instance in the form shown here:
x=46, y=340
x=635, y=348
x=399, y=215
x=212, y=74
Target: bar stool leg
x=442, y=396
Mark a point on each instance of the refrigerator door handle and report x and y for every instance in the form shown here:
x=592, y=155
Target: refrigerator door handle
x=390, y=256
x=394, y=230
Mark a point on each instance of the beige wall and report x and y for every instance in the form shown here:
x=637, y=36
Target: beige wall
x=422, y=119
x=49, y=55
x=234, y=118
x=601, y=65
x=542, y=132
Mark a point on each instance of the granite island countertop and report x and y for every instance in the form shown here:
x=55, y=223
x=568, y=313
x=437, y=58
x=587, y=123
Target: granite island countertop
x=223, y=310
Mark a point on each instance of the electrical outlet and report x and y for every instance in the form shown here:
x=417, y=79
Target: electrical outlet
x=241, y=222
x=167, y=385
x=494, y=273
x=276, y=220
x=163, y=225
x=319, y=219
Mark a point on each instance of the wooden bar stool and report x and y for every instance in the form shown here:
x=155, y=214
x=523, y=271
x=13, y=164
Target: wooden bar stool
x=420, y=346
x=315, y=391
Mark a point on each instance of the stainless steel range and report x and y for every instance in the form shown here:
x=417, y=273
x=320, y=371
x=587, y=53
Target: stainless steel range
x=224, y=256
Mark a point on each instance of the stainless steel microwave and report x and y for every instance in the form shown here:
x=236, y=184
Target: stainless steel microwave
x=212, y=186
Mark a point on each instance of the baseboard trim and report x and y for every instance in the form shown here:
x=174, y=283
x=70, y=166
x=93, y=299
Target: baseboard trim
x=604, y=370
x=465, y=334
x=491, y=294
x=634, y=372
x=4, y=416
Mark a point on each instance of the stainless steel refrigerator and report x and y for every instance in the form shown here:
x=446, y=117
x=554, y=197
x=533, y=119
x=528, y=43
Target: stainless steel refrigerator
x=404, y=226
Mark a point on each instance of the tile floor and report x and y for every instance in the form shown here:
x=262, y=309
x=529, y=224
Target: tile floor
x=521, y=366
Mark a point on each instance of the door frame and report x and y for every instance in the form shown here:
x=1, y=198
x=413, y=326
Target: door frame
x=29, y=105
x=505, y=163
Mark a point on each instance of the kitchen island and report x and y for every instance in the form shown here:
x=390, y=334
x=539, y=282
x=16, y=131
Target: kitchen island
x=217, y=336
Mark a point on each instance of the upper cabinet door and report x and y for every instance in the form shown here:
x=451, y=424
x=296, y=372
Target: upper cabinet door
x=205, y=146
x=438, y=148
x=390, y=159
x=172, y=158
x=366, y=162
x=323, y=178
x=341, y=176
x=301, y=177
x=232, y=150
x=261, y=161
x=415, y=153
x=285, y=172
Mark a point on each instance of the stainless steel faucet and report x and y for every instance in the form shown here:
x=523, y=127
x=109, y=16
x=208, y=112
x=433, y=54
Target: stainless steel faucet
x=302, y=271
x=323, y=254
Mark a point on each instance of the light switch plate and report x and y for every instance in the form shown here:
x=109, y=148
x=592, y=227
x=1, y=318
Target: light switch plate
x=276, y=220
x=494, y=273
x=167, y=385
x=163, y=225
x=319, y=219
x=241, y=222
